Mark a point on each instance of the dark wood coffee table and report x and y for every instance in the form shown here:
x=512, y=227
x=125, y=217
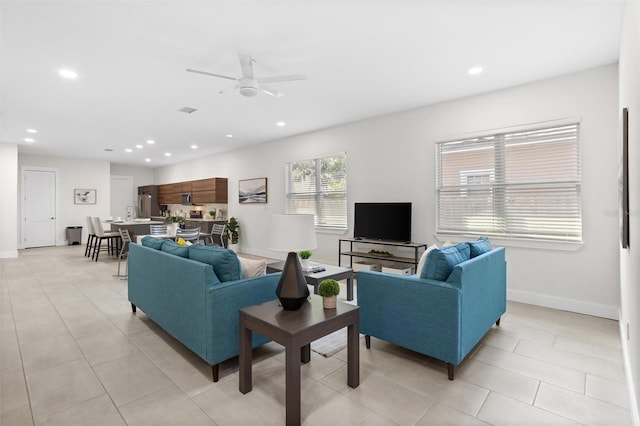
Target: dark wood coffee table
x=295, y=330
x=315, y=278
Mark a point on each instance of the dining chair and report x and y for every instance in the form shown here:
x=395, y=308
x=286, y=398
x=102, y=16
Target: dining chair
x=216, y=236
x=124, y=252
x=157, y=229
x=189, y=234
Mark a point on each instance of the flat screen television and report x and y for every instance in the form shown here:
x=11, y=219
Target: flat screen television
x=382, y=221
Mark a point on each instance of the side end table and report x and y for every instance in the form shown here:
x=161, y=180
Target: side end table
x=295, y=330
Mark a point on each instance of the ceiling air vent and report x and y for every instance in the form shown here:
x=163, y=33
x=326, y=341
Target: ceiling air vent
x=188, y=110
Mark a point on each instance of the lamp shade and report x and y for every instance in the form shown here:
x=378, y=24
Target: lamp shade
x=292, y=232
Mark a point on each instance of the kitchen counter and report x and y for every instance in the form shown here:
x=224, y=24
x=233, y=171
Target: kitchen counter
x=135, y=227
x=162, y=218
x=135, y=222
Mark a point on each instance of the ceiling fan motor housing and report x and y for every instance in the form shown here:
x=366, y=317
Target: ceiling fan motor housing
x=248, y=87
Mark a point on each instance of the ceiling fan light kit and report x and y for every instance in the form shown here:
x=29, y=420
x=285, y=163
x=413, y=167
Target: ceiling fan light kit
x=248, y=88
x=248, y=85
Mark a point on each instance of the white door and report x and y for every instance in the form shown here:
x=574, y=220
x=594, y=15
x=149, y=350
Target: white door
x=38, y=208
x=121, y=195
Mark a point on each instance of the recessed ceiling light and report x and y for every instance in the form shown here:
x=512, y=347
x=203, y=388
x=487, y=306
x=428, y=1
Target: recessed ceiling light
x=32, y=131
x=29, y=140
x=139, y=146
x=128, y=150
x=67, y=73
x=281, y=124
x=475, y=70
x=167, y=154
x=147, y=160
x=151, y=142
x=229, y=135
x=194, y=146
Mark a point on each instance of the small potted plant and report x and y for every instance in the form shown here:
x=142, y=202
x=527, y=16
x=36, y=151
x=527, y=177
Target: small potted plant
x=232, y=231
x=178, y=220
x=305, y=262
x=212, y=213
x=329, y=289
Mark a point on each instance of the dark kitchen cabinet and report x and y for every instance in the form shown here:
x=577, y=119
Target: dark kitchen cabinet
x=203, y=191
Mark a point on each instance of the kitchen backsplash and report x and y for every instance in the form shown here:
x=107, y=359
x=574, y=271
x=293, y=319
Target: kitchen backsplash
x=180, y=210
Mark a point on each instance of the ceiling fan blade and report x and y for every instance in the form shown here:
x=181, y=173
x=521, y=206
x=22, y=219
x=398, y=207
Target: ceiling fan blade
x=279, y=78
x=246, y=63
x=271, y=92
x=211, y=74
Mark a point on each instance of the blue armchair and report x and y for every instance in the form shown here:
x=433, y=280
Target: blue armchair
x=441, y=319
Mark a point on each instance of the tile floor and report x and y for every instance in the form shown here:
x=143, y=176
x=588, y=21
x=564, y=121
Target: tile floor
x=72, y=353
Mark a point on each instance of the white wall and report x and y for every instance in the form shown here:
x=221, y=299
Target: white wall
x=141, y=176
x=9, y=189
x=391, y=158
x=629, y=265
x=74, y=174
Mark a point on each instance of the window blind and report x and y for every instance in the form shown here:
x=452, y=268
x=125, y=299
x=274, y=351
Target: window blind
x=319, y=187
x=523, y=184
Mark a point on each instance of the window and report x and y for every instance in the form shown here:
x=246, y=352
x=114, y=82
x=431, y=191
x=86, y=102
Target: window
x=521, y=184
x=319, y=187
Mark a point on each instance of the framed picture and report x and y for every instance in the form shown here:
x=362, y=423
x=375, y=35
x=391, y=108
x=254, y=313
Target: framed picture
x=252, y=191
x=624, y=187
x=84, y=196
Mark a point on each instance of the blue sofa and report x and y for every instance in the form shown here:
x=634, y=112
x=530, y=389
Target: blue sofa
x=442, y=318
x=195, y=302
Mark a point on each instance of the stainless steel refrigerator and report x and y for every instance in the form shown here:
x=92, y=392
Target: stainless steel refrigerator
x=144, y=205
x=148, y=201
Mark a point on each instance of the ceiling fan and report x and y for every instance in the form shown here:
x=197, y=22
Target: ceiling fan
x=248, y=85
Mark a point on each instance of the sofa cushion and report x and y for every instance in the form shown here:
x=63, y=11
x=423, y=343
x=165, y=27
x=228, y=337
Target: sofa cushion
x=252, y=267
x=423, y=259
x=171, y=247
x=440, y=262
x=480, y=246
x=152, y=242
x=225, y=262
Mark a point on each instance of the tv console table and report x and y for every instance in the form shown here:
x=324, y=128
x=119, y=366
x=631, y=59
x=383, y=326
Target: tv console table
x=351, y=253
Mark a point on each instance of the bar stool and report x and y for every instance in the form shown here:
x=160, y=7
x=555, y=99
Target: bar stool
x=90, y=237
x=101, y=234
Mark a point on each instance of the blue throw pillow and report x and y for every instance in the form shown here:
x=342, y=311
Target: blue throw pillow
x=152, y=242
x=440, y=262
x=481, y=245
x=225, y=262
x=171, y=247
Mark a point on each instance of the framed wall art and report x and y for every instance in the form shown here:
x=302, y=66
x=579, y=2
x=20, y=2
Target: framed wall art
x=252, y=191
x=84, y=196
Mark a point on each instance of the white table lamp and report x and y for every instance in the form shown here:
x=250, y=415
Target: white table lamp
x=292, y=233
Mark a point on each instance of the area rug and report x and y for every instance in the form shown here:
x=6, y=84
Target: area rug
x=334, y=342
x=331, y=343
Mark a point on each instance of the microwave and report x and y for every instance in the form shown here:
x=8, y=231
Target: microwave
x=186, y=199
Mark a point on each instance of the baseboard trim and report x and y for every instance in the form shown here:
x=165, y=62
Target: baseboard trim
x=577, y=306
x=8, y=254
x=633, y=404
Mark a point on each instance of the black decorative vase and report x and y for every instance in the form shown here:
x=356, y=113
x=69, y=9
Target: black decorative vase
x=292, y=290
